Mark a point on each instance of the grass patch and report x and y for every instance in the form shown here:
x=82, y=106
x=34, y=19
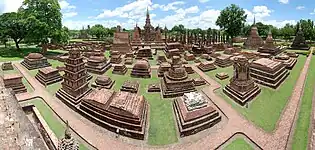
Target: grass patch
x=300, y=137
x=239, y=144
x=266, y=108
x=58, y=127
x=12, y=54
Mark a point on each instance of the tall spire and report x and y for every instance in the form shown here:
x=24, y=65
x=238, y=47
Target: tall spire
x=148, y=14
x=254, y=20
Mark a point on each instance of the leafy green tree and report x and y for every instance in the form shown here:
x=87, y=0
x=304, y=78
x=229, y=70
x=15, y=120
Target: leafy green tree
x=287, y=31
x=307, y=28
x=262, y=29
x=231, y=20
x=245, y=30
x=97, y=30
x=15, y=26
x=46, y=17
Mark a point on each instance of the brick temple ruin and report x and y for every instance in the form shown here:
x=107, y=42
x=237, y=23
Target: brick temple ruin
x=253, y=41
x=242, y=87
x=288, y=61
x=141, y=69
x=206, y=66
x=194, y=112
x=144, y=53
x=7, y=66
x=120, y=69
x=121, y=42
x=48, y=75
x=74, y=85
x=269, y=46
x=97, y=63
x=149, y=36
x=176, y=81
x=14, y=81
x=34, y=61
x=115, y=57
x=268, y=72
x=121, y=112
x=299, y=42
x=103, y=82
x=223, y=61
x=130, y=86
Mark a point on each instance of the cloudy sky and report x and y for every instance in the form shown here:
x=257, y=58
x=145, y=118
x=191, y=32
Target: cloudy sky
x=190, y=13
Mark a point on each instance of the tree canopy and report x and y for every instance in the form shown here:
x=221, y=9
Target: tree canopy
x=231, y=20
x=14, y=26
x=98, y=30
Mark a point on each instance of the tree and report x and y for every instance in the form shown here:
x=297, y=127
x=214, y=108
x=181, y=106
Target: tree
x=231, y=20
x=287, y=31
x=245, y=30
x=97, y=30
x=46, y=17
x=15, y=26
x=307, y=28
x=262, y=29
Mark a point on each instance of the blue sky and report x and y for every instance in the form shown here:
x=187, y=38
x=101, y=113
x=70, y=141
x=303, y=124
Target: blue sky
x=191, y=13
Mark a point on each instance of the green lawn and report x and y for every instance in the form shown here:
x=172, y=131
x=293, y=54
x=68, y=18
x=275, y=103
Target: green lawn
x=266, y=108
x=239, y=144
x=57, y=126
x=300, y=138
x=12, y=54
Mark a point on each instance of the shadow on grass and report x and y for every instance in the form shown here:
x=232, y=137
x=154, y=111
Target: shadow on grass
x=13, y=52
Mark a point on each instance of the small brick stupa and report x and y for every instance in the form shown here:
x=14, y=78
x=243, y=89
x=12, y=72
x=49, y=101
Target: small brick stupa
x=269, y=46
x=14, y=81
x=74, y=85
x=97, y=63
x=299, y=41
x=141, y=69
x=242, y=87
x=194, y=112
x=35, y=61
x=176, y=81
x=254, y=41
x=48, y=75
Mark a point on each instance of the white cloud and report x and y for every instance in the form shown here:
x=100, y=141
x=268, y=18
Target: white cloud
x=278, y=23
x=300, y=7
x=133, y=10
x=313, y=13
x=10, y=5
x=69, y=14
x=204, y=20
x=284, y=1
x=259, y=12
x=67, y=10
x=190, y=10
x=170, y=6
x=203, y=1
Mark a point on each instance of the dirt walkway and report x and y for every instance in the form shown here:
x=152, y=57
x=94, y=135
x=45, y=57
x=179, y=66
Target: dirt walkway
x=236, y=122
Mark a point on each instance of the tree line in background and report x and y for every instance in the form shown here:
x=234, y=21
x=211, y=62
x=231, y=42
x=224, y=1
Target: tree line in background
x=39, y=22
